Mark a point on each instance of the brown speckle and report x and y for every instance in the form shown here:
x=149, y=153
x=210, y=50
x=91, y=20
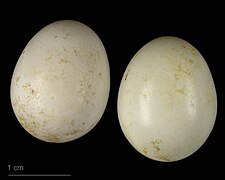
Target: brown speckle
x=64, y=49
x=163, y=158
x=193, y=51
x=179, y=69
x=17, y=79
x=34, y=92
x=51, y=138
x=26, y=86
x=191, y=61
x=21, y=59
x=72, y=132
x=29, y=126
x=41, y=112
x=34, y=124
x=22, y=120
x=85, y=91
x=98, y=54
x=55, y=36
x=93, y=93
x=176, y=76
x=180, y=90
x=210, y=97
x=90, y=71
x=127, y=75
x=64, y=61
x=100, y=75
x=75, y=131
x=60, y=75
x=155, y=144
x=31, y=90
x=68, y=34
x=75, y=51
x=48, y=58
x=144, y=150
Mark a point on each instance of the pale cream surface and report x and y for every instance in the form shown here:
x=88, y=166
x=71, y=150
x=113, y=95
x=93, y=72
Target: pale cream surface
x=60, y=85
x=167, y=100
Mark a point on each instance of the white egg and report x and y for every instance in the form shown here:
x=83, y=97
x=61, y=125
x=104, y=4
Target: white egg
x=167, y=101
x=60, y=85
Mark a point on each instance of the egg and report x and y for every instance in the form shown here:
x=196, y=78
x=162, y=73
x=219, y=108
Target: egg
x=60, y=84
x=167, y=100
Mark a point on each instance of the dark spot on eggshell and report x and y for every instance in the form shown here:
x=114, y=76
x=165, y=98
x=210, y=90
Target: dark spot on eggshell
x=100, y=75
x=52, y=138
x=64, y=49
x=193, y=51
x=127, y=74
x=181, y=70
x=17, y=79
x=75, y=51
x=144, y=150
x=163, y=158
x=181, y=90
x=41, y=112
x=31, y=91
x=191, y=61
x=64, y=61
x=73, y=132
x=91, y=71
x=156, y=144
x=30, y=125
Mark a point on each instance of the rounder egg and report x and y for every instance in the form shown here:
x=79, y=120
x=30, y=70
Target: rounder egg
x=167, y=100
x=60, y=84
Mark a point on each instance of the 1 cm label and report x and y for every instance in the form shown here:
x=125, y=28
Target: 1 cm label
x=15, y=168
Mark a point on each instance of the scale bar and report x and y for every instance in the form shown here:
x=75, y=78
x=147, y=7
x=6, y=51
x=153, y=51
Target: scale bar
x=39, y=175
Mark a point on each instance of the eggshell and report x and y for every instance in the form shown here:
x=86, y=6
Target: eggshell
x=60, y=85
x=167, y=101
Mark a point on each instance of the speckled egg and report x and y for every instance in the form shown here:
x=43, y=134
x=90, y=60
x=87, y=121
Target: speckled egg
x=60, y=85
x=167, y=100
